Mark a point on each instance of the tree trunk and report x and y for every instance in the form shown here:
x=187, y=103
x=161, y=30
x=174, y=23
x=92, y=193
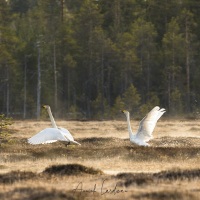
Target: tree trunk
x=187, y=65
x=102, y=82
x=7, y=92
x=38, y=84
x=148, y=75
x=55, y=80
x=68, y=88
x=169, y=91
x=25, y=69
x=62, y=7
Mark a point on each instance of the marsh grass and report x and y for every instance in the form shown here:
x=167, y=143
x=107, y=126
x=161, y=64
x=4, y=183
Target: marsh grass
x=197, y=129
x=168, y=169
x=166, y=195
x=40, y=193
x=155, y=182
x=71, y=169
x=178, y=174
x=147, y=178
x=14, y=176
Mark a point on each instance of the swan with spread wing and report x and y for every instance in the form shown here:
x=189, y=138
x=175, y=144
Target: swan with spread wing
x=146, y=126
x=50, y=135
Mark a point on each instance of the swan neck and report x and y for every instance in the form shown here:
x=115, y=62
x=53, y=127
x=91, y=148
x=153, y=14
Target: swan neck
x=51, y=118
x=129, y=126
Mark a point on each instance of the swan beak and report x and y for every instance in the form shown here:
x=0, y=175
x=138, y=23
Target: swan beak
x=124, y=111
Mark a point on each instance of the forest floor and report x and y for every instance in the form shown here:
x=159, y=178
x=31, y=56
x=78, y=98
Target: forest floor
x=105, y=166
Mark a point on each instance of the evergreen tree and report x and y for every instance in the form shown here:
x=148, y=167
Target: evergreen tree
x=81, y=56
x=8, y=63
x=187, y=27
x=144, y=37
x=173, y=51
x=118, y=106
x=131, y=98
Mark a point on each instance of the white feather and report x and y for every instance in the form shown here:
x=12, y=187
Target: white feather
x=146, y=126
x=47, y=135
x=50, y=135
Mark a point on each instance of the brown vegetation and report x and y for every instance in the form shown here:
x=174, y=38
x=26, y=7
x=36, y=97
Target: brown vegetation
x=71, y=169
x=105, y=161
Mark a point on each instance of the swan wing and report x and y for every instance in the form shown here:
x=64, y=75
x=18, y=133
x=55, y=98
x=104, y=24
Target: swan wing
x=68, y=135
x=47, y=135
x=148, y=123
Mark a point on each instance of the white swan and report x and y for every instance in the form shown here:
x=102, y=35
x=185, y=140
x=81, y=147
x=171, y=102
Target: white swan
x=54, y=134
x=146, y=126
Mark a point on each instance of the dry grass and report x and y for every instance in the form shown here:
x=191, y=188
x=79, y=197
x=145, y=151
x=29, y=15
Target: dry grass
x=106, y=160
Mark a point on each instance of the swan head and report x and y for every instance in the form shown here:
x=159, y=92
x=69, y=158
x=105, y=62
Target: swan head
x=125, y=112
x=46, y=106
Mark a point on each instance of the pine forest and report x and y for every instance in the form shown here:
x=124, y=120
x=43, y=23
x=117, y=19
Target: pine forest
x=89, y=59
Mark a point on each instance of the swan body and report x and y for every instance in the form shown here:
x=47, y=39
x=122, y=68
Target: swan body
x=146, y=126
x=50, y=135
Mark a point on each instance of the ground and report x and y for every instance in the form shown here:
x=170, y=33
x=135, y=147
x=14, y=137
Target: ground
x=105, y=166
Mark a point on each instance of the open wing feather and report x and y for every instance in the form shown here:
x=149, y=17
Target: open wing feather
x=148, y=123
x=66, y=133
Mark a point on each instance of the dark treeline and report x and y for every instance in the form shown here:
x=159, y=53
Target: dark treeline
x=91, y=58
